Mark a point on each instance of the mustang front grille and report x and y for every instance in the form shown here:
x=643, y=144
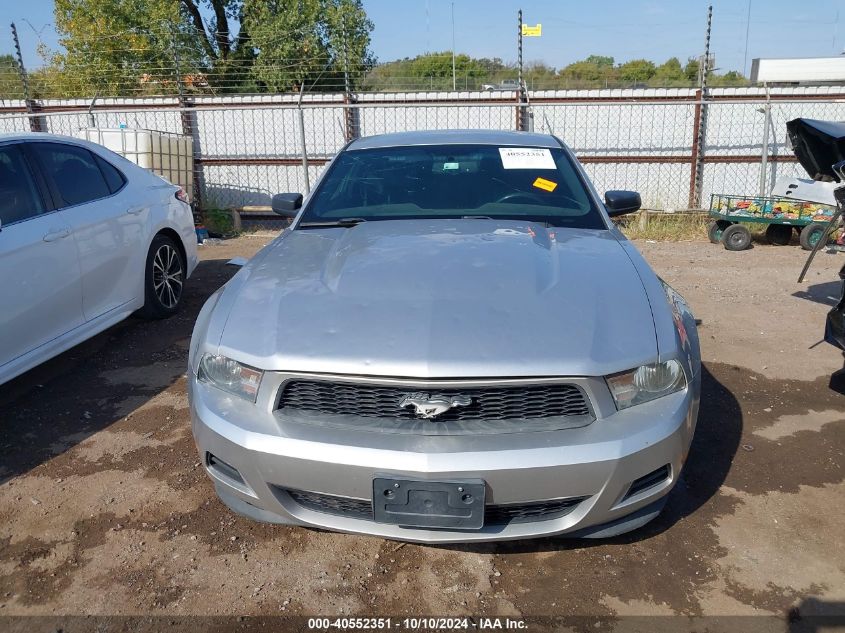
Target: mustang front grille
x=486, y=404
x=493, y=514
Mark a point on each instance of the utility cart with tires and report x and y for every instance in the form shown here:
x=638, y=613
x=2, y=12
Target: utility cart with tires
x=783, y=216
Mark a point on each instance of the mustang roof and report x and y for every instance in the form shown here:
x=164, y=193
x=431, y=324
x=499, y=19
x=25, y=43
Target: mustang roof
x=456, y=137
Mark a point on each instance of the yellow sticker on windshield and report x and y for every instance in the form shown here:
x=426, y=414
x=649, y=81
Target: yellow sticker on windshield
x=546, y=185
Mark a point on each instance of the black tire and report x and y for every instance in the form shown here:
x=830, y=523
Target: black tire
x=714, y=231
x=810, y=235
x=736, y=237
x=779, y=234
x=164, y=279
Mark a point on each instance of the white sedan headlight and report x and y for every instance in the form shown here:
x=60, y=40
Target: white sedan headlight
x=230, y=375
x=646, y=383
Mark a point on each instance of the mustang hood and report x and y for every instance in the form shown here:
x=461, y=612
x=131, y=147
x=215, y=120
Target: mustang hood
x=440, y=299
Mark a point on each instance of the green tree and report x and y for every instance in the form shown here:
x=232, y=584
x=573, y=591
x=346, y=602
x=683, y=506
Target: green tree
x=691, y=69
x=595, y=70
x=308, y=41
x=114, y=47
x=290, y=48
x=434, y=71
x=348, y=38
x=730, y=78
x=119, y=47
x=636, y=70
x=10, y=80
x=539, y=76
x=228, y=55
x=669, y=73
x=600, y=60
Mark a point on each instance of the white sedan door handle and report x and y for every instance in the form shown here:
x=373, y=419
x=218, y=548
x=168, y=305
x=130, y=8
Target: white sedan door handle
x=135, y=210
x=52, y=236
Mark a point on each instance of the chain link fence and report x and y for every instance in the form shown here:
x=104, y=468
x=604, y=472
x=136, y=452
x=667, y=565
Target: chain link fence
x=249, y=147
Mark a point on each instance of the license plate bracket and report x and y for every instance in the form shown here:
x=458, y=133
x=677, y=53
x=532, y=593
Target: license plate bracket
x=429, y=504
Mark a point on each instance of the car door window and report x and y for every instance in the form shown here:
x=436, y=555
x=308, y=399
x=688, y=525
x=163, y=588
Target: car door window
x=74, y=171
x=114, y=179
x=19, y=196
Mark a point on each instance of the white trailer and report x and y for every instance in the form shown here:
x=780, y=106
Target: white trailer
x=804, y=70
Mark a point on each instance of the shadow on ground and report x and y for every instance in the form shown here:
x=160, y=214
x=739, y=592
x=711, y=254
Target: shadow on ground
x=826, y=293
x=63, y=401
x=814, y=615
x=716, y=441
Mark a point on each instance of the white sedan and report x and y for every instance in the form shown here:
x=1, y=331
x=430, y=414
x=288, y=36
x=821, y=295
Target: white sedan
x=86, y=239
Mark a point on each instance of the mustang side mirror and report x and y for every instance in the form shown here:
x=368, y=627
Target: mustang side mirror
x=621, y=202
x=287, y=204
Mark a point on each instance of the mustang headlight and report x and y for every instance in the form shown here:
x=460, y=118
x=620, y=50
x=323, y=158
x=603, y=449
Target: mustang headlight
x=646, y=383
x=230, y=375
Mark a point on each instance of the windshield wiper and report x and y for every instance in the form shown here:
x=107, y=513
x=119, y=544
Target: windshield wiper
x=346, y=222
x=516, y=218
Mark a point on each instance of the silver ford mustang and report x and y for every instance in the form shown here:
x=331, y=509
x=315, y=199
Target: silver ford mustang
x=450, y=343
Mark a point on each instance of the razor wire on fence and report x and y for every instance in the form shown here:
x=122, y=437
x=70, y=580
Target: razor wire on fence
x=174, y=57
x=249, y=147
x=673, y=145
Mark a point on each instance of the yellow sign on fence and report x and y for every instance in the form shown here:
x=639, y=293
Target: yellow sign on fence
x=532, y=31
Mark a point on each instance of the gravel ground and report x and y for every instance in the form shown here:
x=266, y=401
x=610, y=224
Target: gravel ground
x=105, y=510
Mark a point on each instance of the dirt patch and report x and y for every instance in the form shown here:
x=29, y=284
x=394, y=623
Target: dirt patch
x=105, y=508
x=755, y=314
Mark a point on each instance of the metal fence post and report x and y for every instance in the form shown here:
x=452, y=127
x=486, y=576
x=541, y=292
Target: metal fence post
x=696, y=164
x=187, y=120
x=649, y=157
x=764, y=150
x=351, y=114
x=520, y=90
x=351, y=117
x=302, y=139
x=700, y=122
x=34, y=122
x=189, y=129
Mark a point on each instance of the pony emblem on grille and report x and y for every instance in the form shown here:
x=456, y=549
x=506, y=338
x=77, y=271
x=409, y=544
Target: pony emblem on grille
x=428, y=407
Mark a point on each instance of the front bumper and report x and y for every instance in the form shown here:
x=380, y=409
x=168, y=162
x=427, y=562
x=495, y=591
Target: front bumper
x=598, y=462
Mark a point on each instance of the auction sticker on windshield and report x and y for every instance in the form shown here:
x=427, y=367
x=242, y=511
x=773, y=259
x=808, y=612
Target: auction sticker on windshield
x=526, y=158
x=545, y=185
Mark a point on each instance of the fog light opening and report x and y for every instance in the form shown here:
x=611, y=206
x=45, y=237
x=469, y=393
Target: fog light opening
x=222, y=469
x=654, y=478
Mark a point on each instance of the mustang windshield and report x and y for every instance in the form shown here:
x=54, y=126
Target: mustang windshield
x=453, y=181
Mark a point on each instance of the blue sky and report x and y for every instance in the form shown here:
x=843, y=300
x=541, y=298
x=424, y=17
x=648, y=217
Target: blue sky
x=624, y=29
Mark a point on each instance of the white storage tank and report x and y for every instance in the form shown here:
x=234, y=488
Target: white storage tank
x=169, y=155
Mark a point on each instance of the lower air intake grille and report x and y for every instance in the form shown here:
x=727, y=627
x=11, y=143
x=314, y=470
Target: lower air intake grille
x=493, y=515
x=330, y=504
x=650, y=480
x=527, y=512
